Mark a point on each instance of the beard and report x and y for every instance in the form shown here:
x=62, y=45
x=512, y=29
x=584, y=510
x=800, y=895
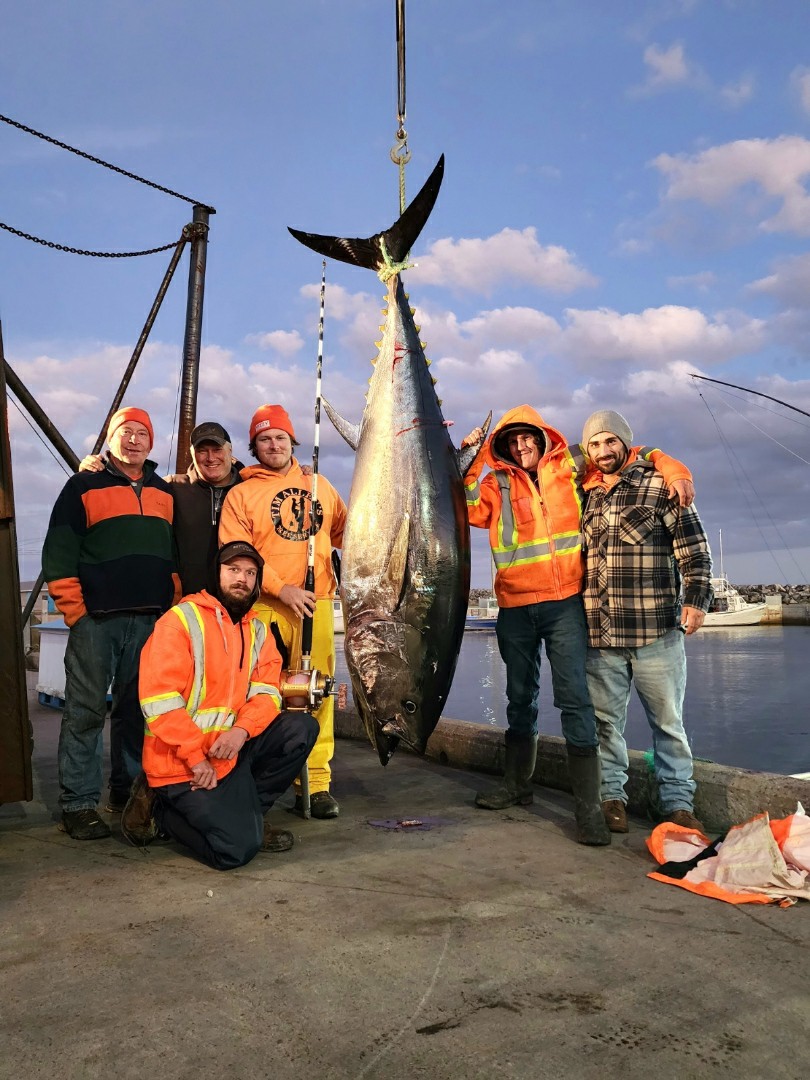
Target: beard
x=236, y=603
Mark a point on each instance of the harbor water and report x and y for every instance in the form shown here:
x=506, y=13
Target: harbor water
x=747, y=695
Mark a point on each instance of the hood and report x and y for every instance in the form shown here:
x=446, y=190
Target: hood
x=497, y=456
x=250, y=552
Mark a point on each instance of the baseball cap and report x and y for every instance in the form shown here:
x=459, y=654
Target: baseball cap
x=209, y=432
x=239, y=549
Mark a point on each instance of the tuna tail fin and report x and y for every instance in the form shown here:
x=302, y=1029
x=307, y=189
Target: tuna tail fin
x=391, y=246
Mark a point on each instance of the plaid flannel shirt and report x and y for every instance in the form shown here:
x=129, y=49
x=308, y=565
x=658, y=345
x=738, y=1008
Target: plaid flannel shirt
x=639, y=546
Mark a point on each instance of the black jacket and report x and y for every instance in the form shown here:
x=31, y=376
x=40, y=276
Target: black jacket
x=197, y=506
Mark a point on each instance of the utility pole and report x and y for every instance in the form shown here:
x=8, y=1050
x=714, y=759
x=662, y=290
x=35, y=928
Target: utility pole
x=192, y=342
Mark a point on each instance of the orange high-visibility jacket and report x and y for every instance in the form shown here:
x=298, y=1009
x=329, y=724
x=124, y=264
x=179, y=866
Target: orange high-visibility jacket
x=534, y=529
x=272, y=513
x=200, y=675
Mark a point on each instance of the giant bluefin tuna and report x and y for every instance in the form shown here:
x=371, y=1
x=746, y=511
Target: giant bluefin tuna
x=406, y=551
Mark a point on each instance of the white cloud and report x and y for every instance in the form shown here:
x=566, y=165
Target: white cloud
x=702, y=281
x=800, y=84
x=738, y=93
x=659, y=335
x=666, y=68
x=789, y=282
x=777, y=169
x=510, y=257
x=285, y=342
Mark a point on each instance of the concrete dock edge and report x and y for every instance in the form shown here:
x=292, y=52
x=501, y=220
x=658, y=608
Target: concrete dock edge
x=725, y=795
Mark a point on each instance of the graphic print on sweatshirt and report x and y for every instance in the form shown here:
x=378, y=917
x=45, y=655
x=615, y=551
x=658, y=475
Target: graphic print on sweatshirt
x=290, y=512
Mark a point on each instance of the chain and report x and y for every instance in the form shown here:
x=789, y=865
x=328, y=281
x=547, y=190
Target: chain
x=107, y=165
x=81, y=251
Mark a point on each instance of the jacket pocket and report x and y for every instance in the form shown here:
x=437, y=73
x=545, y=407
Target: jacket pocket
x=523, y=510
x=636, y=524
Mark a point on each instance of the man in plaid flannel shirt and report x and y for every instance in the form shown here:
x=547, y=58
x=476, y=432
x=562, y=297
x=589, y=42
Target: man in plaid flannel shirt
x=640, y=545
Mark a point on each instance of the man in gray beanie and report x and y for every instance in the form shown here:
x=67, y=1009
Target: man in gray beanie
x=633, y=531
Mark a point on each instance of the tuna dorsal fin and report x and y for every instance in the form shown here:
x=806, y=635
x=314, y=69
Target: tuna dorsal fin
x=468, y=455
x=398, y=240
x=350, y=432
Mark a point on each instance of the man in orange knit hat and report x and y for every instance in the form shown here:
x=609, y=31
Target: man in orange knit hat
x=272, y=510
x=109, y=563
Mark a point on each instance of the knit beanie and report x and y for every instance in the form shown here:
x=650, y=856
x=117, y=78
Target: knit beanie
x=271, y=416
x=607, y=420
x=136, y=416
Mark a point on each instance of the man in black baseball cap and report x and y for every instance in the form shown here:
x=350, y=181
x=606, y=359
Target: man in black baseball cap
x=198, y=497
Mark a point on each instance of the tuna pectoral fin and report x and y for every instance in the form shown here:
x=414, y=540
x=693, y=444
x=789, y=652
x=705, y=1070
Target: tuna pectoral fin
x=468, y=455
x=397, y=241
x=387, y=589
x=350, y=432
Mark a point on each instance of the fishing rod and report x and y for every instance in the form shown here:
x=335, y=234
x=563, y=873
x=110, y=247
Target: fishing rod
x=309, y=581
x=748, y=390
x=315, y=685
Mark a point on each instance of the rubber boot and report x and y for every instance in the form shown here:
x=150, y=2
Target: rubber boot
x=585, y=771
x=520, y=760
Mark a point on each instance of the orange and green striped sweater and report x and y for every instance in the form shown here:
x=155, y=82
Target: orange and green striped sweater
x=109, y=546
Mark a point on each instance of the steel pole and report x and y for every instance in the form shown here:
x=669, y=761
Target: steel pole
x=15, y=729
x=192, y=342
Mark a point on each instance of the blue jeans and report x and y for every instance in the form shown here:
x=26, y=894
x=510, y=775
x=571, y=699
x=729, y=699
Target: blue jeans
x=101, y=652
x=560, y=624
x=659, y=673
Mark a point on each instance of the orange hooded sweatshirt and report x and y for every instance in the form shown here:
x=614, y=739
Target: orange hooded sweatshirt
x=200, y=675
x=534, y=528
x=272, y=513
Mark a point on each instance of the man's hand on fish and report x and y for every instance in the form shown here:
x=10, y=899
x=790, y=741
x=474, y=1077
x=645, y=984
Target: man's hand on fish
x=691, y=619
x=204, y=776
x=301, y=601
x=228, y=744
x=684, y=492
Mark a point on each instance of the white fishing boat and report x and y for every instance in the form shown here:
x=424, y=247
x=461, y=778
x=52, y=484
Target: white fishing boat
x=728, y=608
x=482, y=614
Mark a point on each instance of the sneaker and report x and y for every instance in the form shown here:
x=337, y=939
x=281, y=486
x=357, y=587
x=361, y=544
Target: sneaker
x=276, y=839
x=685, y=818
x=321, y=805
x=137, y=821
x=84, y=825
x=615, y=815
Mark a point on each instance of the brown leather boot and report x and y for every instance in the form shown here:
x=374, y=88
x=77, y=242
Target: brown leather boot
x=615, y=815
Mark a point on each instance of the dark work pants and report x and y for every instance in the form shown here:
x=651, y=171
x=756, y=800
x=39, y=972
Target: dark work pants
x=224, y=826
x=561, y=626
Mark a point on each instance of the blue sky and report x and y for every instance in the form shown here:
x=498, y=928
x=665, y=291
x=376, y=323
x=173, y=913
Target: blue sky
x=625, y=201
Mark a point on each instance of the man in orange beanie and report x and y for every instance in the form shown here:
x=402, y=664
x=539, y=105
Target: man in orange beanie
x=109, y=563
x=271, y=509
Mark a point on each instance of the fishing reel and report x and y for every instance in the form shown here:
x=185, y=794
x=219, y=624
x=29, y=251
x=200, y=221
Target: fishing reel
x=305, y=689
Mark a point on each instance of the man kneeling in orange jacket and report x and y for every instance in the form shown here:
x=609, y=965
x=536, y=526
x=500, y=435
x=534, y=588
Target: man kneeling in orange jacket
x=218, y=751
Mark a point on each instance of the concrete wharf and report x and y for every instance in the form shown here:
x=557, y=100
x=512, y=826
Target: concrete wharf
x=490, y=945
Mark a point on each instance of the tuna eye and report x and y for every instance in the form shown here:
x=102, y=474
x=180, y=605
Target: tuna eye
x=410, y=706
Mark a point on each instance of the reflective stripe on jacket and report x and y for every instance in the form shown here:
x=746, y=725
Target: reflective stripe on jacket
x=200, y=675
